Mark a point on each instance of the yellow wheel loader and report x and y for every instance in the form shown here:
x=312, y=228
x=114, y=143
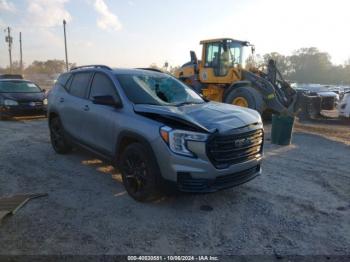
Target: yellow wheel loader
x=220, y=76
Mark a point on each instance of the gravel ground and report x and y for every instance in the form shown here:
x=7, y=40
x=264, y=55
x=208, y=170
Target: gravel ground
x=300, y=205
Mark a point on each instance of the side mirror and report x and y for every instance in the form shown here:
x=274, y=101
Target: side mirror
x=107, y=101
x=43, y=90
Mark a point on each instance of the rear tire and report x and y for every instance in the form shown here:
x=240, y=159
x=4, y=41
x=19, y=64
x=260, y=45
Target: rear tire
x=57, y=137
x=250, y=95
x=140, y=173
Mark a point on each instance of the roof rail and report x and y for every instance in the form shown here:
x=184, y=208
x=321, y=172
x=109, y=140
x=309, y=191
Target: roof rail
x=151, y=69
x=91, y=66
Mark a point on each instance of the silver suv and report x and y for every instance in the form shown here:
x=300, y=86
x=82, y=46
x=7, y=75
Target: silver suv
x=155, y=129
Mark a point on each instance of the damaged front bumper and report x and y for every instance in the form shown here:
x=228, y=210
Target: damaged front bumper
x=187, y=183
x=199, y=174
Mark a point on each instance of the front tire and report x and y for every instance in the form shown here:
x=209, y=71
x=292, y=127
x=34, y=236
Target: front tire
x=246, y=97
x=139, y=172
x=57, y=137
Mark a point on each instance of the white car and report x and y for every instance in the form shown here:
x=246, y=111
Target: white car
x=344, y=106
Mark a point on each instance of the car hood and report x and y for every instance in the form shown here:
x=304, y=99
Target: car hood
x=24, y=97
x=210, y=117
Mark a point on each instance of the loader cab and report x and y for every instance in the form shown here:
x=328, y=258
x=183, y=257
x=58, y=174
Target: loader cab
x=222, y=60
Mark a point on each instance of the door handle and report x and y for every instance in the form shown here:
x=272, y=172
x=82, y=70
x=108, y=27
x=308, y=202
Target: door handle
x=86, y=108
x=61, y=99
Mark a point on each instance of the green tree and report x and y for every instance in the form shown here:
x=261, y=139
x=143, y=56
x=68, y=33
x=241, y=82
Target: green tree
x=282, y=62
x=254, y=61
x=309, y=65
x=155, y=66
x=47, y=67
x=170, y=69
x=16, y=68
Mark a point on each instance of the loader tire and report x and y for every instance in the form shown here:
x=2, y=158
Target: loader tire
x=246, y=97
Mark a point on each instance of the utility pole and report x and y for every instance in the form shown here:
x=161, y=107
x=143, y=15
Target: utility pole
x=65, y=43
x=20, y=52
x=8, y=40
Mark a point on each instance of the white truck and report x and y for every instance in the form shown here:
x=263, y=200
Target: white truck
x=344, y=106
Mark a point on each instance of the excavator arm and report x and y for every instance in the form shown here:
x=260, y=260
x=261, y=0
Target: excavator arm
x=278, y=95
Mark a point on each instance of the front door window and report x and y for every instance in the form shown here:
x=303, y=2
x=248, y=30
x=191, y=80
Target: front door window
x=213, y=56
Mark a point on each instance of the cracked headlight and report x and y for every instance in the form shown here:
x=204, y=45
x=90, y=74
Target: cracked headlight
x=10, y=102
x=177, y=139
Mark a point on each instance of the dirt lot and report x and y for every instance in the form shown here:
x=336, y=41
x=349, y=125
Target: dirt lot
x=300, y=205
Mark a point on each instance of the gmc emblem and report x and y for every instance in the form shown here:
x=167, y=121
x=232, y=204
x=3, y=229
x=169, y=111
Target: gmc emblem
x=242, y=142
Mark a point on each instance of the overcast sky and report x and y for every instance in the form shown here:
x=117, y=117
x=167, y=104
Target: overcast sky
x=134, y=33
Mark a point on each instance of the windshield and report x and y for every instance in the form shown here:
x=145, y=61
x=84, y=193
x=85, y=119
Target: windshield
x=18, y=87
x=235, y=53
x=157, y=90
x=247, y=57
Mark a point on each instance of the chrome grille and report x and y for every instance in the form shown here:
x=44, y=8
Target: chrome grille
x=38, y=103
x=225, y=150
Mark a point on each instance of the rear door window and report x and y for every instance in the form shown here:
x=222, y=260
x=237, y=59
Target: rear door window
x=80, y=84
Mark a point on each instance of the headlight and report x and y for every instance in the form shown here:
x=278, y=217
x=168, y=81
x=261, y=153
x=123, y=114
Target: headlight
x=177, y=139
x=45, y=101
x=9, y=102
x=259, y=118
